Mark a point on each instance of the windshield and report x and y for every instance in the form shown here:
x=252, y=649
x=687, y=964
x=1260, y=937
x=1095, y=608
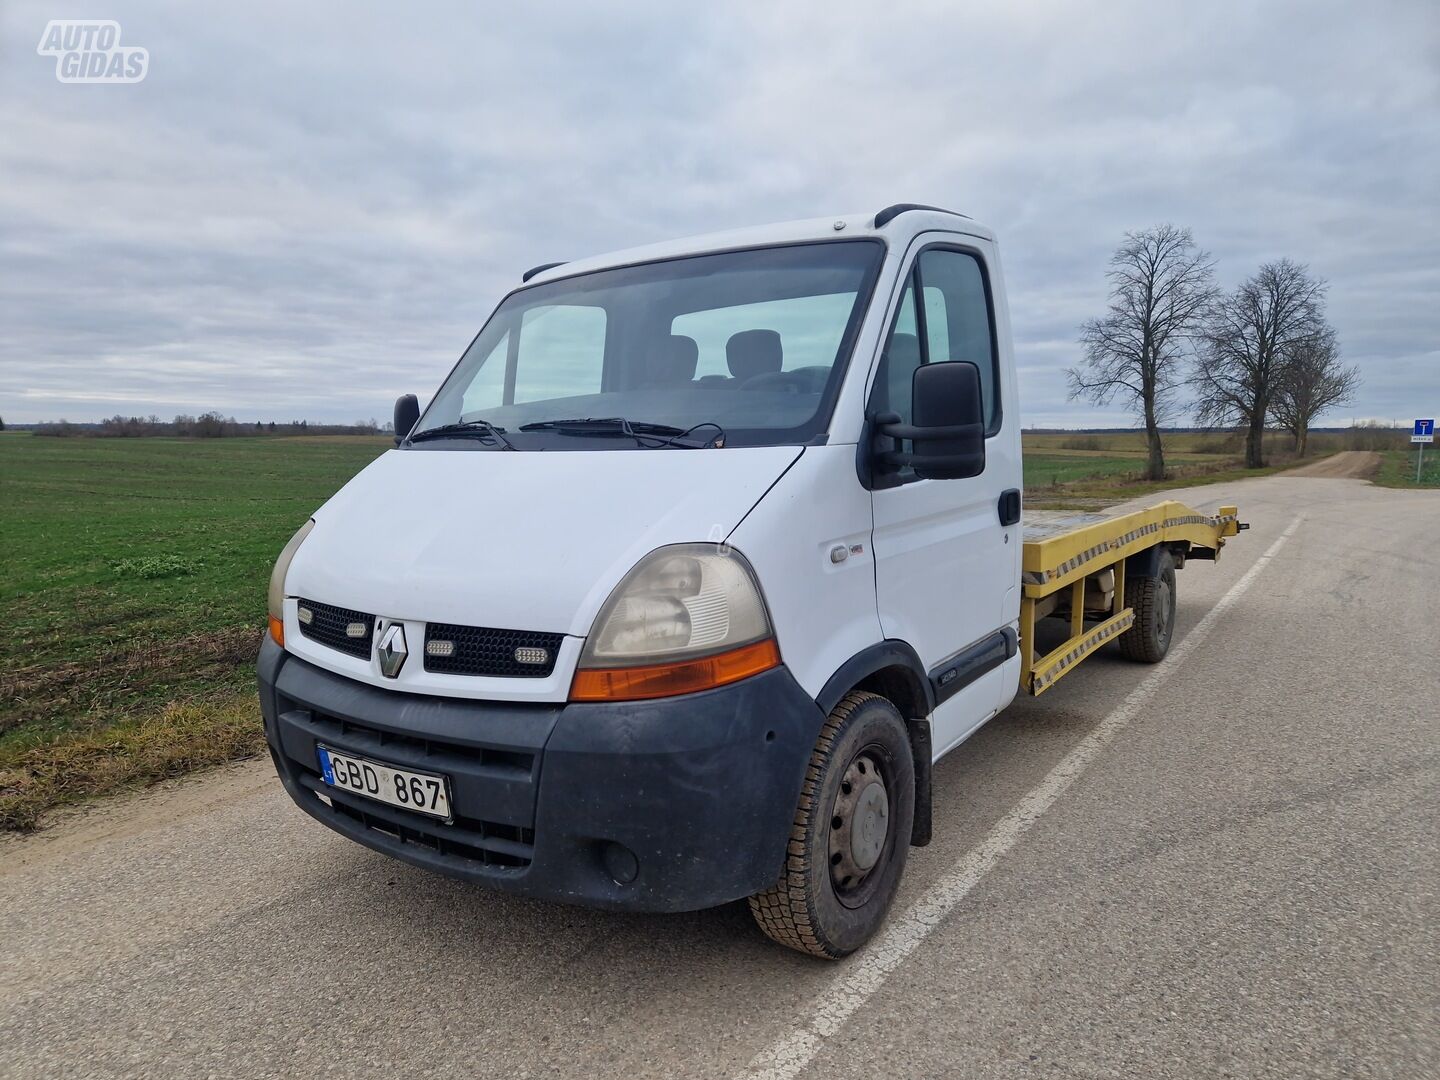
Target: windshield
x=751, y=343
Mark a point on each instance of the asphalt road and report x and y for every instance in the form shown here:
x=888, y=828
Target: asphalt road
x=1237, y=877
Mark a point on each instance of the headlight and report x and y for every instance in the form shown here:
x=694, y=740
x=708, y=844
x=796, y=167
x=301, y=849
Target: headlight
x=687, y=618
x=276, y=598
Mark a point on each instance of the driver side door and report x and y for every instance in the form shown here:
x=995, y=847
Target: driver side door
x=945, y=565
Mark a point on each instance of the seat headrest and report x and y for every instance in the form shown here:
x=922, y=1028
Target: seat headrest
x=753, y=352
x=675, y=361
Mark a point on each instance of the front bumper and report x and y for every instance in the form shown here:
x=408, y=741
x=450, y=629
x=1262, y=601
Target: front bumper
x=668, y=805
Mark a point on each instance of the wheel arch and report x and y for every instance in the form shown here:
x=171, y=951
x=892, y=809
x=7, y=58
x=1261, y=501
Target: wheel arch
x=892, y=670
x=889, y=668
x=1147, y=563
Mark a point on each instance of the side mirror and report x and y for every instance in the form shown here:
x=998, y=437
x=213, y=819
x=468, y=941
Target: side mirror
x=407, y=413
x=949, y=429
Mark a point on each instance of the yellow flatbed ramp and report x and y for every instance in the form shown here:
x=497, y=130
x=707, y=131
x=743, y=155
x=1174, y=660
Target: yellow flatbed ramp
x=1074, y=567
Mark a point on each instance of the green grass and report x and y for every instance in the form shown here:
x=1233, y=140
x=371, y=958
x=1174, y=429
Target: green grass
x=1397, y=468
x=135, y=589
x=1044, y=470
x=1093, y=471
x=1178, y=445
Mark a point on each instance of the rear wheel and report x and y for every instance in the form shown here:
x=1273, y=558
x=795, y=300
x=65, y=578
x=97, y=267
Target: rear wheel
x=1152, y=597
x=851, y=833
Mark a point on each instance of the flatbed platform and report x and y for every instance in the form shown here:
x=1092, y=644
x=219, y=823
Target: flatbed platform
x=1074, y=566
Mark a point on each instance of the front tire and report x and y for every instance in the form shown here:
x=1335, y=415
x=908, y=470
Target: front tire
x=1153, y=599
x=851, y=833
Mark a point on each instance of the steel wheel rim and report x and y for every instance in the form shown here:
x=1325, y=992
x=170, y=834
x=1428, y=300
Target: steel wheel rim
x=859, y=826
x=1164, y=611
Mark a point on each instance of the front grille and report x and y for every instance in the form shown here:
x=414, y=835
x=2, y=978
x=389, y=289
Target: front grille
x=482, y=650
x=369, y=740
x=331, y=626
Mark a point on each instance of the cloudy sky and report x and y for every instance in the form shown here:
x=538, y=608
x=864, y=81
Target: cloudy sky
x=307, y=209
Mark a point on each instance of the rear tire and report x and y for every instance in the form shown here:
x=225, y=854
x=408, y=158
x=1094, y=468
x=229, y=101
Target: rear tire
x=1153, y=599
x=851, y=834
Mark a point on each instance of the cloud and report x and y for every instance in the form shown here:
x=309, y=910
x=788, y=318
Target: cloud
x=309, y=210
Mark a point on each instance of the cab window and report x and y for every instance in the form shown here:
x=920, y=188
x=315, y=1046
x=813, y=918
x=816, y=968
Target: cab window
x=750, y=343
x=561, y=354
x=952, y=321
x=957, y=320
x=902, y=357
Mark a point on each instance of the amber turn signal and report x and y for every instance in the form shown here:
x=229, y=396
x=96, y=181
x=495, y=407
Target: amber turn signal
x=681, y=677
x=277, y=631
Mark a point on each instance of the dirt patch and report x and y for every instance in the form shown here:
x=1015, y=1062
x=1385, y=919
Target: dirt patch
x=78, y=827
x=178, y=739
x=1346, y=465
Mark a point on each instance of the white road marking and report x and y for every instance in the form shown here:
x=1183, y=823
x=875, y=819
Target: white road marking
x=789, y=1056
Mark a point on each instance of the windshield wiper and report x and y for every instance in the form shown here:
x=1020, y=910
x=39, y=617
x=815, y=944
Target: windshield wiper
x=602, y=425
x=481, y=428
x=642, y=431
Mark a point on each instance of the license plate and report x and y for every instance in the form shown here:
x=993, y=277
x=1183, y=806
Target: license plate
x=425, y=793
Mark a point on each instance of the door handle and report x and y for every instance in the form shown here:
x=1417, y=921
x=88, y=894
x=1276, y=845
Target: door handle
x=1010, y=507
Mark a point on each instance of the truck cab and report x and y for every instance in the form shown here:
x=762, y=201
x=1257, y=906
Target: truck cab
x=696, y=561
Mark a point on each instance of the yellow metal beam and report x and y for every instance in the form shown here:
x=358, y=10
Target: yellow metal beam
x=1027, y=638
x=1057, y=558
x=1055, y=665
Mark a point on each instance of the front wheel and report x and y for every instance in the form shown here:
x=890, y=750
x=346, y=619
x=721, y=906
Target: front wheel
x=851, y=834
x=1152, y=596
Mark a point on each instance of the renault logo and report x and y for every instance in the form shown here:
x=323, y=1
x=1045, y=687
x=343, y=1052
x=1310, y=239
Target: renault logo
x=392, y=650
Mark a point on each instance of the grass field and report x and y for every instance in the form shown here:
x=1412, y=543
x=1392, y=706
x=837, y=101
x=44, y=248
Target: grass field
x=135, y=586
x=1397, y=469
x=1090, y=471
x=134, y=593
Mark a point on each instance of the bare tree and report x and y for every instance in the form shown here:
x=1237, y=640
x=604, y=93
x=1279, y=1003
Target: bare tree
x=1160, y=286
x=1251, y=336
x=1314, y=382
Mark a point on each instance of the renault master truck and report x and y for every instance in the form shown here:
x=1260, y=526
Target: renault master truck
x=696, y=562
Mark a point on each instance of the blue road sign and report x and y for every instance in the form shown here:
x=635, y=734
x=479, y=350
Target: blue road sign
x=1424, y=431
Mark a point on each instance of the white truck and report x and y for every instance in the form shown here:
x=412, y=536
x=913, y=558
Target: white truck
x=696, y=562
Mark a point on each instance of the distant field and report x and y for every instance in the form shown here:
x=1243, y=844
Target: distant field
x=135, y=583
x=1094, y=470
x=1084, y=470
x=1126, y=443
x=1052, y=470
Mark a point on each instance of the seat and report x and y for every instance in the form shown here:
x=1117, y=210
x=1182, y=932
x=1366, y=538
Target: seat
x=675, y=361
x=753, y=352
